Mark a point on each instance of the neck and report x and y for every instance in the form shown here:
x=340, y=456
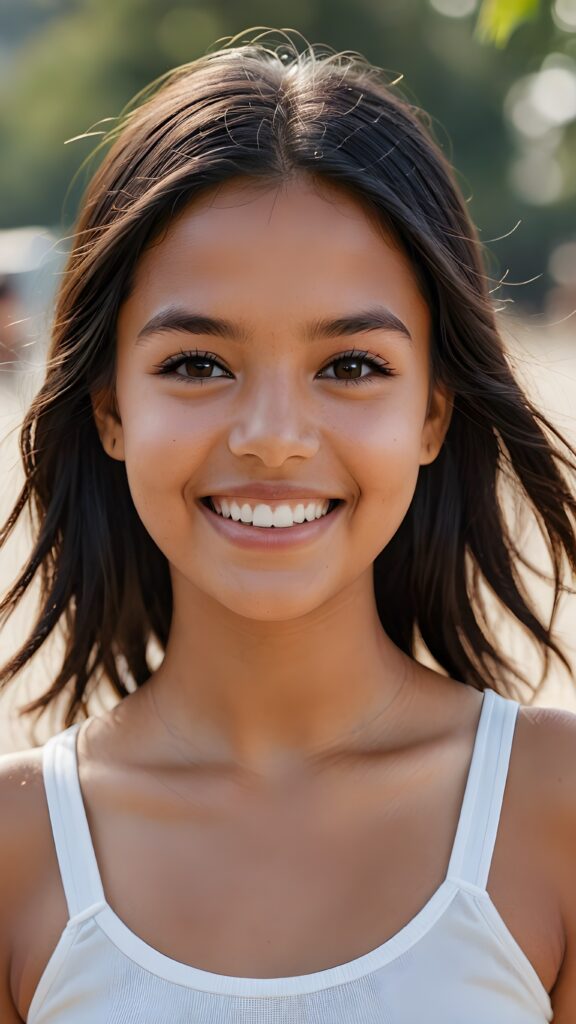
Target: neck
x=266, y=695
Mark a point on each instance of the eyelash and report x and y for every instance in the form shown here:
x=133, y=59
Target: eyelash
x=169, y=367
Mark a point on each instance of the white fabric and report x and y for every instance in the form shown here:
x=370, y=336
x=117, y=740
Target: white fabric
x=455, y=961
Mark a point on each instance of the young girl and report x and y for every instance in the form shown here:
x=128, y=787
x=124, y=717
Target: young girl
x=272, y=437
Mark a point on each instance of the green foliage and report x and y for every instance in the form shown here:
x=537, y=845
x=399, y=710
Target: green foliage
x=499, y=18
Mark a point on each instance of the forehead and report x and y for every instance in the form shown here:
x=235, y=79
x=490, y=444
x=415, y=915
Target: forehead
x=278, y=248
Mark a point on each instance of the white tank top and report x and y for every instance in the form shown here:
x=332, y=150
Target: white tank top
x=454, y=961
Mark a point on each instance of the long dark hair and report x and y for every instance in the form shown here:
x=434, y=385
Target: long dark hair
x=253, y=109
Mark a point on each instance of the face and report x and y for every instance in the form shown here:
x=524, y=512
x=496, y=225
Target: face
x=273, y=364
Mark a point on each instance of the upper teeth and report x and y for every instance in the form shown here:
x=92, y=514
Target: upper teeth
x=259, y=514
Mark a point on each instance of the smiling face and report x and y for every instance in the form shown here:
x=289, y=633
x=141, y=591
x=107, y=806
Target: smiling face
x=275, y=343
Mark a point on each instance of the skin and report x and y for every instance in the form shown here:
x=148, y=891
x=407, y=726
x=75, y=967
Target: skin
x=299, y=624
x=306, y=752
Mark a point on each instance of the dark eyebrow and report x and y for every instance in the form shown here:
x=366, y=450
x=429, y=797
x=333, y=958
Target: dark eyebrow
x=377, y=318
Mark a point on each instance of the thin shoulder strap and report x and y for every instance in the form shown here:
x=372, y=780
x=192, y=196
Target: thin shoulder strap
x=482, y=804
x=76, y=857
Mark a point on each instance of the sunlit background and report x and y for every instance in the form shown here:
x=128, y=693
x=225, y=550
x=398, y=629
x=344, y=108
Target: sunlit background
x=504, y=115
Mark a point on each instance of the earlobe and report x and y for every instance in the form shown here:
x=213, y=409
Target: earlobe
x=436, y=426
x=108, y=425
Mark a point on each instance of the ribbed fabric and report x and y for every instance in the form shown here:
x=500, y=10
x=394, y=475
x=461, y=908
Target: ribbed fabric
x=455, y=962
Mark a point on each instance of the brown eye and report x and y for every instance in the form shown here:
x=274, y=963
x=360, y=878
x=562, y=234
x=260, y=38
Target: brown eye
x=348, y=368
x=192, y=366
x=198, y=367
x=356, y=368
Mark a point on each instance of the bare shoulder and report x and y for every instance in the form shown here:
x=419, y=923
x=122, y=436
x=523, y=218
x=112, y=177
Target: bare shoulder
x=547, y=759
x=541, y=789
x=543, y=783
x=546, y=741
x=23, y=841
x=24, y=813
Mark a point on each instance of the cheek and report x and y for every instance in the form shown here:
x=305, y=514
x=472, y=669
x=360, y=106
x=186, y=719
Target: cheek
x=385, y=449
x=391, y=473
x=387, y=432
x=164, y=447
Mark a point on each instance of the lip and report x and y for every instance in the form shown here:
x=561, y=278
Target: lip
x=272, y=492
x=261, y=538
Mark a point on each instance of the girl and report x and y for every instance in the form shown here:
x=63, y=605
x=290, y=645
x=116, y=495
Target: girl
x=276, y=418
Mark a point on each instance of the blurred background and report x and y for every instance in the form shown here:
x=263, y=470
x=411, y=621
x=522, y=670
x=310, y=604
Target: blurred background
x=499, y=84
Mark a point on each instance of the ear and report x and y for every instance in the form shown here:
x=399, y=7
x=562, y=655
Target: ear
x=108, y=424
x=438, y=418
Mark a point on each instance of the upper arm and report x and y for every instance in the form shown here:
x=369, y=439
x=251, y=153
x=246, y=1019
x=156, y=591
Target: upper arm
x=19, y=801
x=553, y=789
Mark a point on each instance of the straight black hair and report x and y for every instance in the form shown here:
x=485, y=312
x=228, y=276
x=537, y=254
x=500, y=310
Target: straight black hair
x=264, y=111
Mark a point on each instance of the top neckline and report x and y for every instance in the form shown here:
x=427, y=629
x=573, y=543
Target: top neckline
x=180, y=973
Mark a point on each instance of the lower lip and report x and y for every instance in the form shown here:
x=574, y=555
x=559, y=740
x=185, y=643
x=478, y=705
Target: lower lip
x=262, y=538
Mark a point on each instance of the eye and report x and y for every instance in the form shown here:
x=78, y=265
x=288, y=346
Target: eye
x=348, y=367
x=198, y=367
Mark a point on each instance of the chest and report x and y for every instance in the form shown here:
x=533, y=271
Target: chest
x=284, y=885
x=274, y=890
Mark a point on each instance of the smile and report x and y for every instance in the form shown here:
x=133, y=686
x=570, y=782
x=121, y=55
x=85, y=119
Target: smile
x=259, y=531
x=276, y=514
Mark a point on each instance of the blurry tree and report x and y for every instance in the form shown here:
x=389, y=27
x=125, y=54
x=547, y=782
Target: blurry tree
x=68, y=66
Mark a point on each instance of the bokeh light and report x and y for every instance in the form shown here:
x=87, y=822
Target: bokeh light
x=537, y=177
x=543, y=100
x=539, y=107
x=562, y=263
x=522, y=114
x=553, y=94
x=564, y=14
x=455, y=8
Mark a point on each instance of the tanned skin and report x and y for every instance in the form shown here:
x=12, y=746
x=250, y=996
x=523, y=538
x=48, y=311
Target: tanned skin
x=286, y=764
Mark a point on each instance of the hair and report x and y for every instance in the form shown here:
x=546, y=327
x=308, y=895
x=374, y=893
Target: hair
x=268, y=112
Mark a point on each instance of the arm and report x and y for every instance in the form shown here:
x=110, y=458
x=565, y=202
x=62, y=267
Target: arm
x=16, y=857
x=554, y=786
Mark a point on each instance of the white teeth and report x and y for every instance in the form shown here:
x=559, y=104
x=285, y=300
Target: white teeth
x=262, y=515
x=283, y=516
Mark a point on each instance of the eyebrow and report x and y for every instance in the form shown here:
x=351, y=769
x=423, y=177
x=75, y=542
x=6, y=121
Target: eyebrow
x=175, y=318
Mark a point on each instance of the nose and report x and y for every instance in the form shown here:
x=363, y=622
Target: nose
x=274, y=423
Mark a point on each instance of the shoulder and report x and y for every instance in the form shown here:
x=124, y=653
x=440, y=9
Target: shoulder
x=21, y=782
x=545, y=769
x=24, y=810
x=545, y=744
x=546, y=738
x=24, y=852
x=21, y=774
x=544, y=764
